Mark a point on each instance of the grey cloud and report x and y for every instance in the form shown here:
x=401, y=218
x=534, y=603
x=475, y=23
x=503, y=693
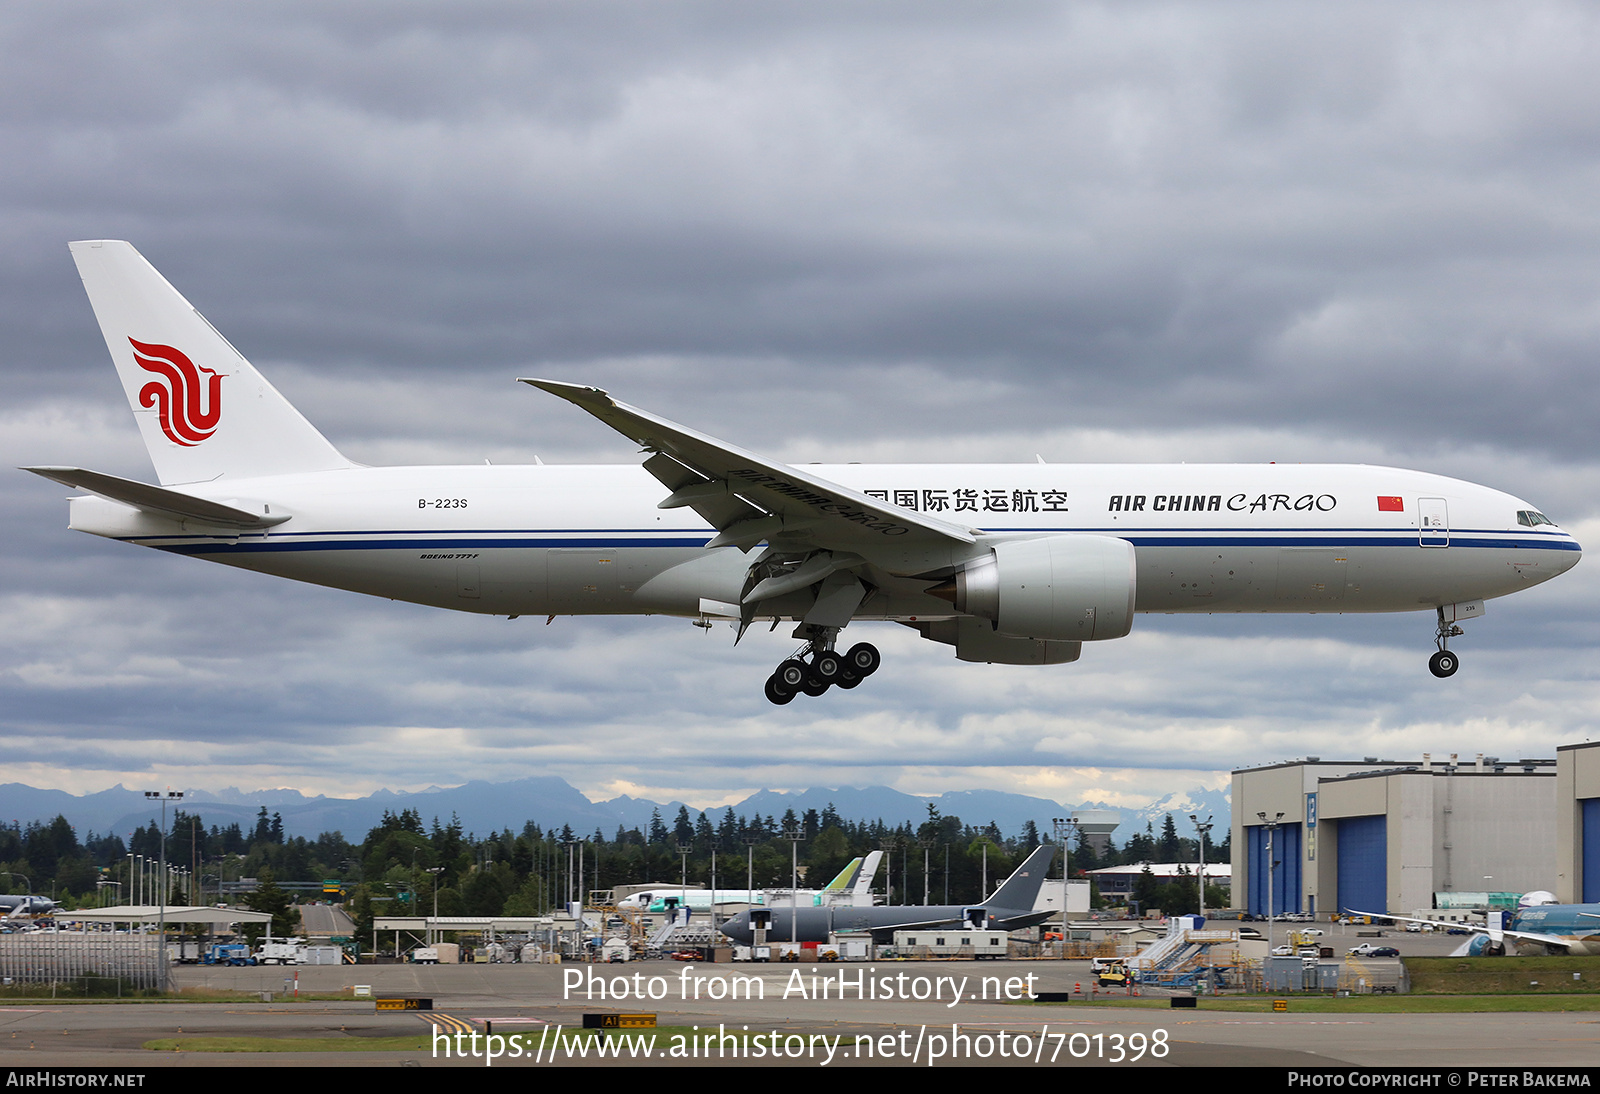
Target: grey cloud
x=829, y=231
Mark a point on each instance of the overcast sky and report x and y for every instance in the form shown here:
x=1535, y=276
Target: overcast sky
x=826, y=231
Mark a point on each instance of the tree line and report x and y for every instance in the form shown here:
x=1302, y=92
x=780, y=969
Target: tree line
x=404, y=866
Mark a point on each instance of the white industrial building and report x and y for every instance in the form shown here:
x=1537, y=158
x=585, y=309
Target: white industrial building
x=1577, y=834
x=1118, y=881
x=1387, y=836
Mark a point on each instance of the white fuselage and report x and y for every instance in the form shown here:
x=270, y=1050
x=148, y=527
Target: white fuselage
x=587, y=540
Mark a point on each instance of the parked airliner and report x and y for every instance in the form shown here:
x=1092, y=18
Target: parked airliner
x=853, y=882
x=1007, y=564
x=1539, y=925
x=1010, y=908
x=13, y=905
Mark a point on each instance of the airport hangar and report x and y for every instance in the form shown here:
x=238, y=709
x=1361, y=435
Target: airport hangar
x=1395, y=836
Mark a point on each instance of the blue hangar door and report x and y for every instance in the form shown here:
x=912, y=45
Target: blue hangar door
x=1591, y=850
x=1364, y=864
x=1286, y=887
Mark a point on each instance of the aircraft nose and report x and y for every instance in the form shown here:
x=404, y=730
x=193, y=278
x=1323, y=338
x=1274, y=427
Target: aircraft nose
x=1569, y=557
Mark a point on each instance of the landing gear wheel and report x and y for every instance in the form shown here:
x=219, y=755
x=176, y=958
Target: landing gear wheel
x=863, y=659
x=848, y=679
x=776, y=693
x=826, y=666
x=791, y=675
x=813, y=686
x=1444, y=663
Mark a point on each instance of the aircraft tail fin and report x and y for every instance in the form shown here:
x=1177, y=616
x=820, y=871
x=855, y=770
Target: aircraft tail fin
x=869, y=870
x=1021, y=889
x=203, y=410
x=843, y=879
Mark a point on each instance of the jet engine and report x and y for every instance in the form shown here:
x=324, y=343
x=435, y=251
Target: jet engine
x=1065, y=588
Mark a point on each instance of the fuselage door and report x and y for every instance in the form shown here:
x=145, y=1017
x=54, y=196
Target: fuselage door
x=1433, y=523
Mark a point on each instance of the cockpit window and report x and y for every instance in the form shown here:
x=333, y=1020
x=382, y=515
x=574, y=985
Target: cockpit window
x=1528, y=518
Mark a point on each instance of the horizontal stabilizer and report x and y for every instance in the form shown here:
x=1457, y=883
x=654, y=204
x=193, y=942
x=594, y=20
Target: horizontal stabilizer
x=156, y=499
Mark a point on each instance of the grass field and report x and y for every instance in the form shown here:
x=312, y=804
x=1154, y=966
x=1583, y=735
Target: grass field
x=1504, y=975
x=1370, y=1004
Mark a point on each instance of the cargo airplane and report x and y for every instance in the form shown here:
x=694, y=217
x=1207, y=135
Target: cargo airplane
x=1017, y=565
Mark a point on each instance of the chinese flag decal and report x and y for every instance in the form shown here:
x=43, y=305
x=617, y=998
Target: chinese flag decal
x=1391, y=505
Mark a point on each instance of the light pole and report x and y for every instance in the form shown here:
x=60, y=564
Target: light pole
x=1203, y=827
x=683, y=899
x=163, y=796
x=794, y=836
x=433, y=923
x=1064, y=827
x=888, y=844
x=1272, y=827
x=567, y=901
x=750, y=841
x=927, y=843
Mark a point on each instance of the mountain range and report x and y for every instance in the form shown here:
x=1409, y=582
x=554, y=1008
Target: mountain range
x=549, y=801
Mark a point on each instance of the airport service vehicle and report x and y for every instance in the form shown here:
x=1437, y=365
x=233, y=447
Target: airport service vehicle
x=1016, y=565
x=1113, y=975
x=228, y=953
x=291, y=952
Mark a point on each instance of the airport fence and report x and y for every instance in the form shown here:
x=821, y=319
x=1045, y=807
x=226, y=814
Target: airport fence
x=100, y=962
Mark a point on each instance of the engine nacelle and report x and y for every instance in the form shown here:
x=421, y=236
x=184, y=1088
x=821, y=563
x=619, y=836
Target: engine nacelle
x=1064, y=588
x=976, y=640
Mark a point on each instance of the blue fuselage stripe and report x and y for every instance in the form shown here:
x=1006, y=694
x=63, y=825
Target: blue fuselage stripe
x=488, y=539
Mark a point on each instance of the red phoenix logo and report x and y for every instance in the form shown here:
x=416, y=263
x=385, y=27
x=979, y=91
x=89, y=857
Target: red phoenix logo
x=178, y=401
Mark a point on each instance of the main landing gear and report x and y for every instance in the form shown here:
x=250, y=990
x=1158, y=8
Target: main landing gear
x=1444, y=663
x=817, y=666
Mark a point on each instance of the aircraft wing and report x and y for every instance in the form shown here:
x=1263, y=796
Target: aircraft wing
x=1496, y=934
x=749, y=498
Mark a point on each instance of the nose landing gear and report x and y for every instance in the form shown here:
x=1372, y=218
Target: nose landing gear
x=818, y=666
x=1444, y=663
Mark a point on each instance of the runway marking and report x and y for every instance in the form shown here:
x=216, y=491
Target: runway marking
x=1270, y=1022
x=449, y=1022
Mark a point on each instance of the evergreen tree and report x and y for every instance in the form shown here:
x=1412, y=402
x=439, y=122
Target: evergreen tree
x=271, y=898
x=1030, y=836
x=1169, y=850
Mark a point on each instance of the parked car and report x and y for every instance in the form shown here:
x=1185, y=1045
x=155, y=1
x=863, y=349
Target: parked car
x=1368, y=949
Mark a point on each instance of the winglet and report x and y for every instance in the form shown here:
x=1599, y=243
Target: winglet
x=573, y=393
